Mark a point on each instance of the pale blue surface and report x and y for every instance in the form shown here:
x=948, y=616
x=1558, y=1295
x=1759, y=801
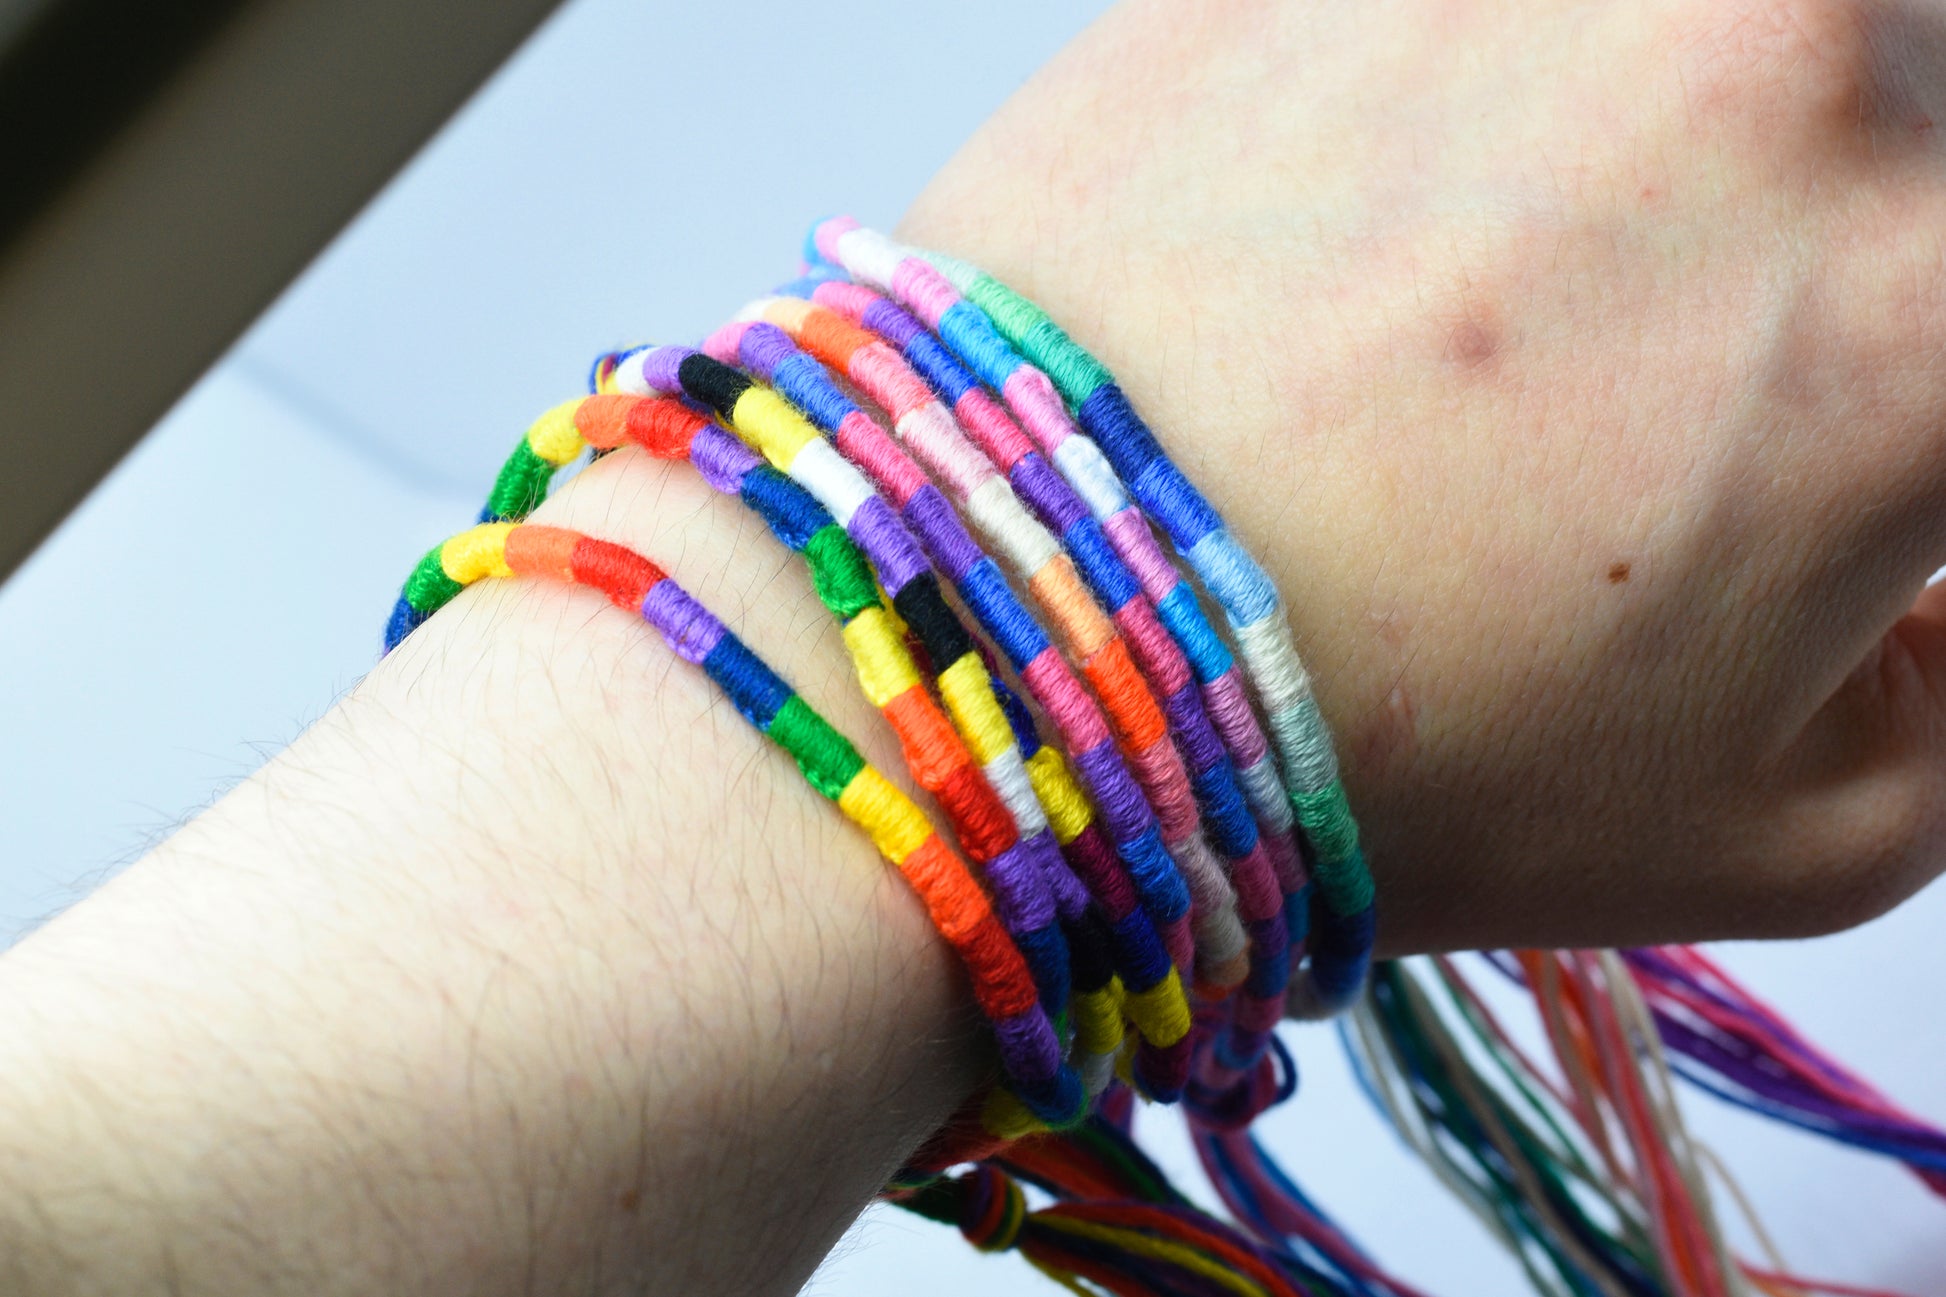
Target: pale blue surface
x=233, y=576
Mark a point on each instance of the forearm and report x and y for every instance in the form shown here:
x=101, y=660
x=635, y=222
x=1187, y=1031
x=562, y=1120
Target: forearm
x=529, y=968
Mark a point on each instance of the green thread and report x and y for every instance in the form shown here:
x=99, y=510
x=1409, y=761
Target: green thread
x=429, y=589
x=521, y=486
x=1076, y=373
x=838, y=568
x=826, y=757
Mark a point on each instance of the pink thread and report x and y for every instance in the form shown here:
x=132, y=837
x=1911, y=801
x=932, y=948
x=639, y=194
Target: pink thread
x=1155, y=651
x=1158, y=769
x=1258, y=894
x=1229, y=710
x=887, y=379
x=931, y=433
x=999, y=436
x=828, y=234
x=1073, y=711
x=864, y=443
x=1031, y=396
x=925, y=289
x=1128, y=531
x=726, y=344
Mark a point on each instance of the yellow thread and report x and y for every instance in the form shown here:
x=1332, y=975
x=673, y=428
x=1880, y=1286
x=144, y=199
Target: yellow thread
x=768, y=422
x=968, y=692
x=895, y=824
x=1161, y=1249
x=1161, y=1012
x=554, y=437
x=477, y=553
x=885, y=668
x=1067, y=808
x=787, y=313
x=1071, y=1284
x=1006, y=1117
x=1097, y=1020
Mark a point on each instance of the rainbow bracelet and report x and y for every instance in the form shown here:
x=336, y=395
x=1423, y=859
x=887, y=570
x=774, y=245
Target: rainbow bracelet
x=1103, y=445
x=1265, y=866
x=1136, y=719
x=1003, y=986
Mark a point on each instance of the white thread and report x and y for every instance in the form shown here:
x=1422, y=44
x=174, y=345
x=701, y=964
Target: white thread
x=1005, y=524
x=1088, y=471
x=1008, y=775
x=870, y=256
x=629, y=376
x=831, y=478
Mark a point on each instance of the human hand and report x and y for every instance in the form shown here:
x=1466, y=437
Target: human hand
x=1574, y=370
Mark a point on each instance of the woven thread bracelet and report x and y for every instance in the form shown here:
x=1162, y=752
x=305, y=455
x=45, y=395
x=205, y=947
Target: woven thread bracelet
x=1169, y=753
x=857, y=414
x=1002, y=983
x=1262, y=862
x=1049, y=375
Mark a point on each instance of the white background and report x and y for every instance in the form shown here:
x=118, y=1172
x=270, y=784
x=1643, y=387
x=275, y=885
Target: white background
x=635, y=174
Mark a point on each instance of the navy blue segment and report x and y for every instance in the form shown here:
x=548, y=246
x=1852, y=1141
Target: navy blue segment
x=1099, y=565
x=1124, y=438
x=1341, y=953
x=993, y=602
x=755, y=689
x=1058, y=1101
x=1164, y=894
x=1174, y=502
x=1230, y=824
x=1046, y=953
x=1139, y=952
x=793, y=513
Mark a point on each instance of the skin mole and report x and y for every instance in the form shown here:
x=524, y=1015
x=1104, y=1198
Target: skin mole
x=1473, y=342
x=1617, y=572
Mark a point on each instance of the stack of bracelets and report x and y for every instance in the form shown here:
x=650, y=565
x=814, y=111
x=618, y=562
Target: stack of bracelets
x=1142, y=891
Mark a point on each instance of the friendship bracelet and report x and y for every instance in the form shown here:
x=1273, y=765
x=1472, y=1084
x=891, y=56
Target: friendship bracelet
x=796, y=446
x=1051, y=900
x=1129, y=453
x=1003, y=986
x=1137, y=721
x=839, y=574
x=1262, y=861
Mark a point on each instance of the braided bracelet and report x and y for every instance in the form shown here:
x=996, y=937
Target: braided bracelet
x=1002, y=983
x=793, y=444
x=1135, y=718
x=935, y=436
x=1103, y=445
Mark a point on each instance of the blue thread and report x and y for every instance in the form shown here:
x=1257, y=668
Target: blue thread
x=965, y=329
x=1181, y=509
x=1231, y=826
x=753, y=687
x=994, y=603
x=1112, y=422
x=1139, y=952
x=804, y=381
x=404, y=620
x=1234, y=579
x=1209, y=657
x=1099, y=565
x=932, y=362
x=1046, y=953
x=793, y=513
x=1157, y=880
